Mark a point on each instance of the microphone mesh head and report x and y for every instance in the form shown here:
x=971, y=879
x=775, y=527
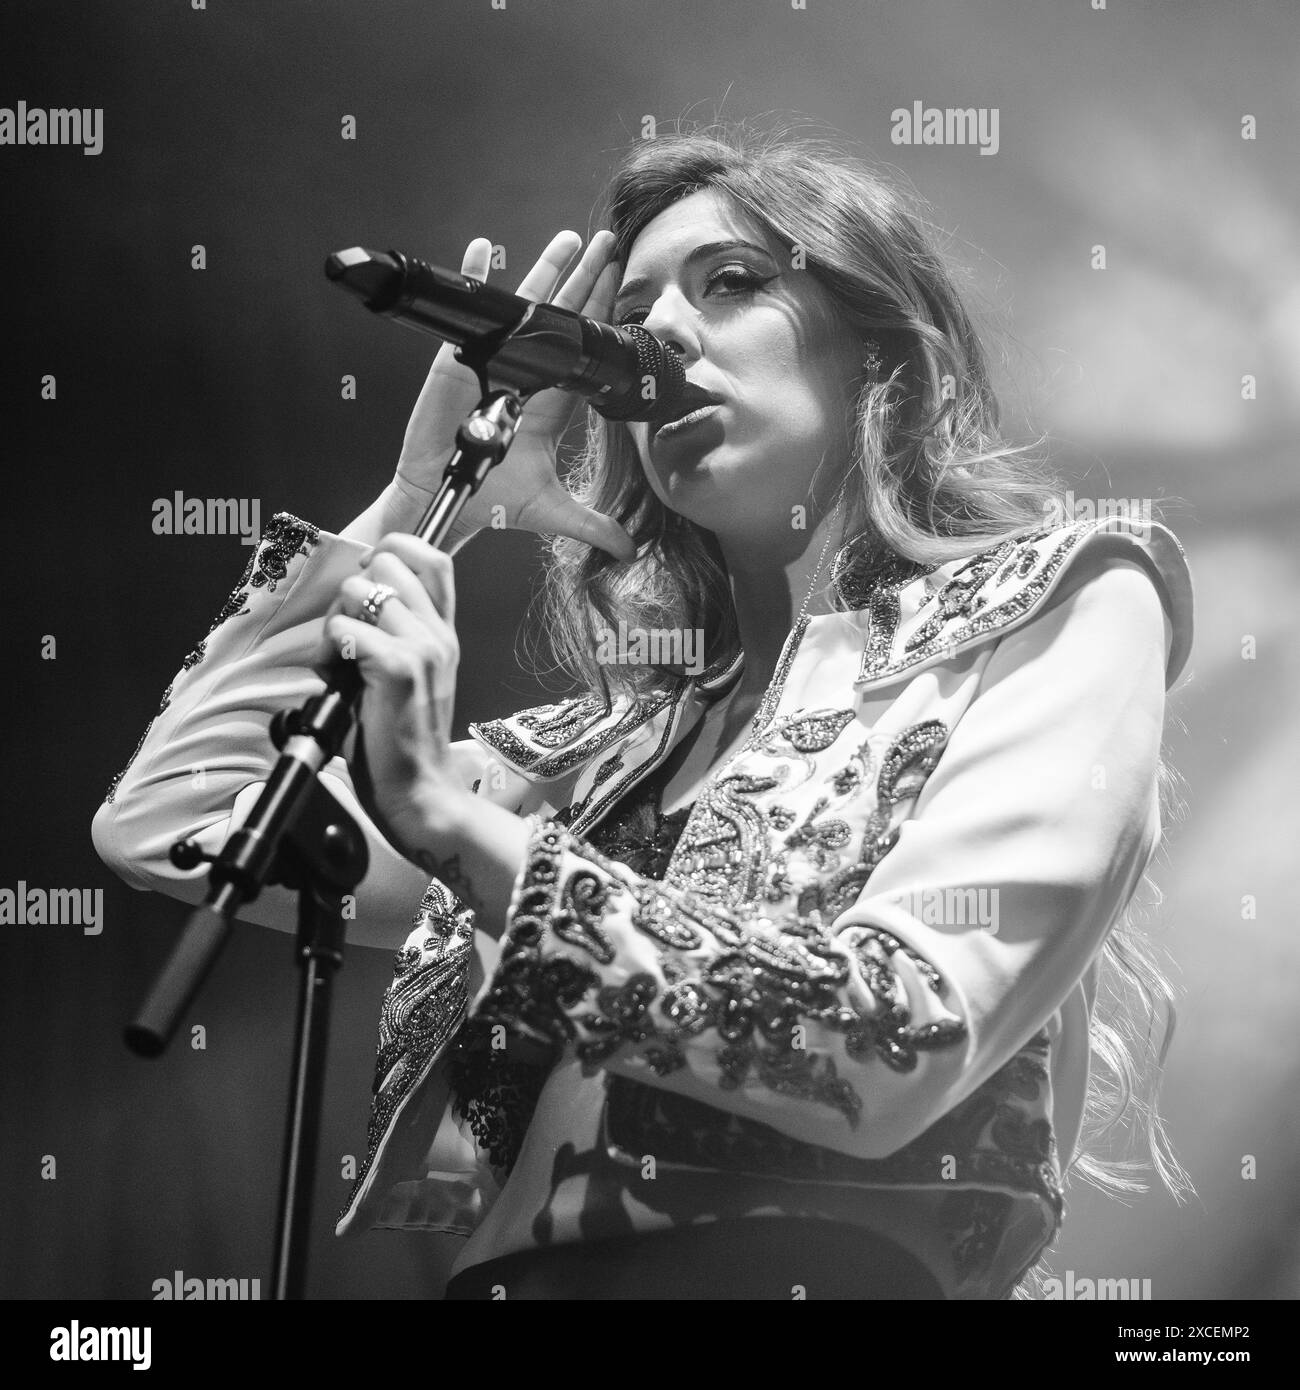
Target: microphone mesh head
x=662, y=380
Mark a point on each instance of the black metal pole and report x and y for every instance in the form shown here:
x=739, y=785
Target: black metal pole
x=320, y=954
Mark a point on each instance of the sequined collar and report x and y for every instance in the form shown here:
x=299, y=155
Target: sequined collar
x=909, y=618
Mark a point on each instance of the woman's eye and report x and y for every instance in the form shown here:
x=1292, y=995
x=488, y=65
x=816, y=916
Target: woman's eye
x=737, y=279
x=730, y=280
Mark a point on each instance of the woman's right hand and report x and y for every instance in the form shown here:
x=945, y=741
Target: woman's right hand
x=525, y=487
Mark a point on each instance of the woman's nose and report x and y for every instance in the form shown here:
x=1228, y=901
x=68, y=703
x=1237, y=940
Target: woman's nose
x=671, y=321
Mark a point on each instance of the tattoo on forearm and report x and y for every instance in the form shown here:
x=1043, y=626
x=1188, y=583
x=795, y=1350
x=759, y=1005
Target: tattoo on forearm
x=449, y=873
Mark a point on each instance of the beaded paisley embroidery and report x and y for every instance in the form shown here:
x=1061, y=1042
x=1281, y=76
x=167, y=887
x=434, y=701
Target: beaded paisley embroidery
x=554, y=726
x=725, y=853
x=422, y=1008
x=285, y=536
x=756, y=992
x=984, y=594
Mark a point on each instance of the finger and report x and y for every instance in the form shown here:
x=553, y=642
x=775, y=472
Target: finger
x=343, y=635
x=409, y=665
x=323, y=657
x=394, y=617
x=477, y=264
x=541, y=280
x=380, y=656
x=600, y=303
x=594, y=528
x=384, y=567
x=426, y=639
x=477, y=261
x=431, y=568
x=595, y=262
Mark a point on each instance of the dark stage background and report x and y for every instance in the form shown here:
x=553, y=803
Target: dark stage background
x=222, y=127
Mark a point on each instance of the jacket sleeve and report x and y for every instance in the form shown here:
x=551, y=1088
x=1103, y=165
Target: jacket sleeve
x=201, y=762
x=859, y=1033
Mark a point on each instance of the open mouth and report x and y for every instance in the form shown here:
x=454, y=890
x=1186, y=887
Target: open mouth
x=692, y=407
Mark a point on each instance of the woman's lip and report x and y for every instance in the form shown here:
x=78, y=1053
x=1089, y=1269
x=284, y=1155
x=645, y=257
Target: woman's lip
x=687, y=421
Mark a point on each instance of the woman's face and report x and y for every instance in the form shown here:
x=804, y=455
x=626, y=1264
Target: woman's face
x=759, y=332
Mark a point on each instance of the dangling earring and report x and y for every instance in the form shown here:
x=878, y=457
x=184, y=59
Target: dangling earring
x=871, y=358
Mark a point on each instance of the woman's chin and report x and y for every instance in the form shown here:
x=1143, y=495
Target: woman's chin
x=718, y=499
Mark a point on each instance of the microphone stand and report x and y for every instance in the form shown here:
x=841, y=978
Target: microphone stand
x=298, y=835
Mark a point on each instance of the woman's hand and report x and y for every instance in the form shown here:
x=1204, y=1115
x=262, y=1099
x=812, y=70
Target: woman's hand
x=401, y=766
x=525, y=487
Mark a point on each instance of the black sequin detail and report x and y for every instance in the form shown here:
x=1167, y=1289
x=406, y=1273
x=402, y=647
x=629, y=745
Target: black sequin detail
x=495, y=1090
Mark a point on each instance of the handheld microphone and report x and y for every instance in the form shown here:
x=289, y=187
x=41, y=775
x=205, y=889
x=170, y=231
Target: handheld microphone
x=625, y=373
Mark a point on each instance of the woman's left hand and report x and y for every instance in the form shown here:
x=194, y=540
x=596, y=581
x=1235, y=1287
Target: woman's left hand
x=401, y=766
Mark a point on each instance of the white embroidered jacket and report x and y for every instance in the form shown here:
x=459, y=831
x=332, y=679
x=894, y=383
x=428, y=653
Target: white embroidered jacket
x=875, y=943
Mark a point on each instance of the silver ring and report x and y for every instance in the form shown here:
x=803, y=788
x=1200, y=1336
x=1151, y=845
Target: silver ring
x=374, y=601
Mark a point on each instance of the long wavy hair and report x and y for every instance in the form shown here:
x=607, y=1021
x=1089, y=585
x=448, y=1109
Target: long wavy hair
x=930, y=479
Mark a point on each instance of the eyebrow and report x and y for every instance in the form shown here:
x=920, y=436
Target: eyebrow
x=701, y=253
